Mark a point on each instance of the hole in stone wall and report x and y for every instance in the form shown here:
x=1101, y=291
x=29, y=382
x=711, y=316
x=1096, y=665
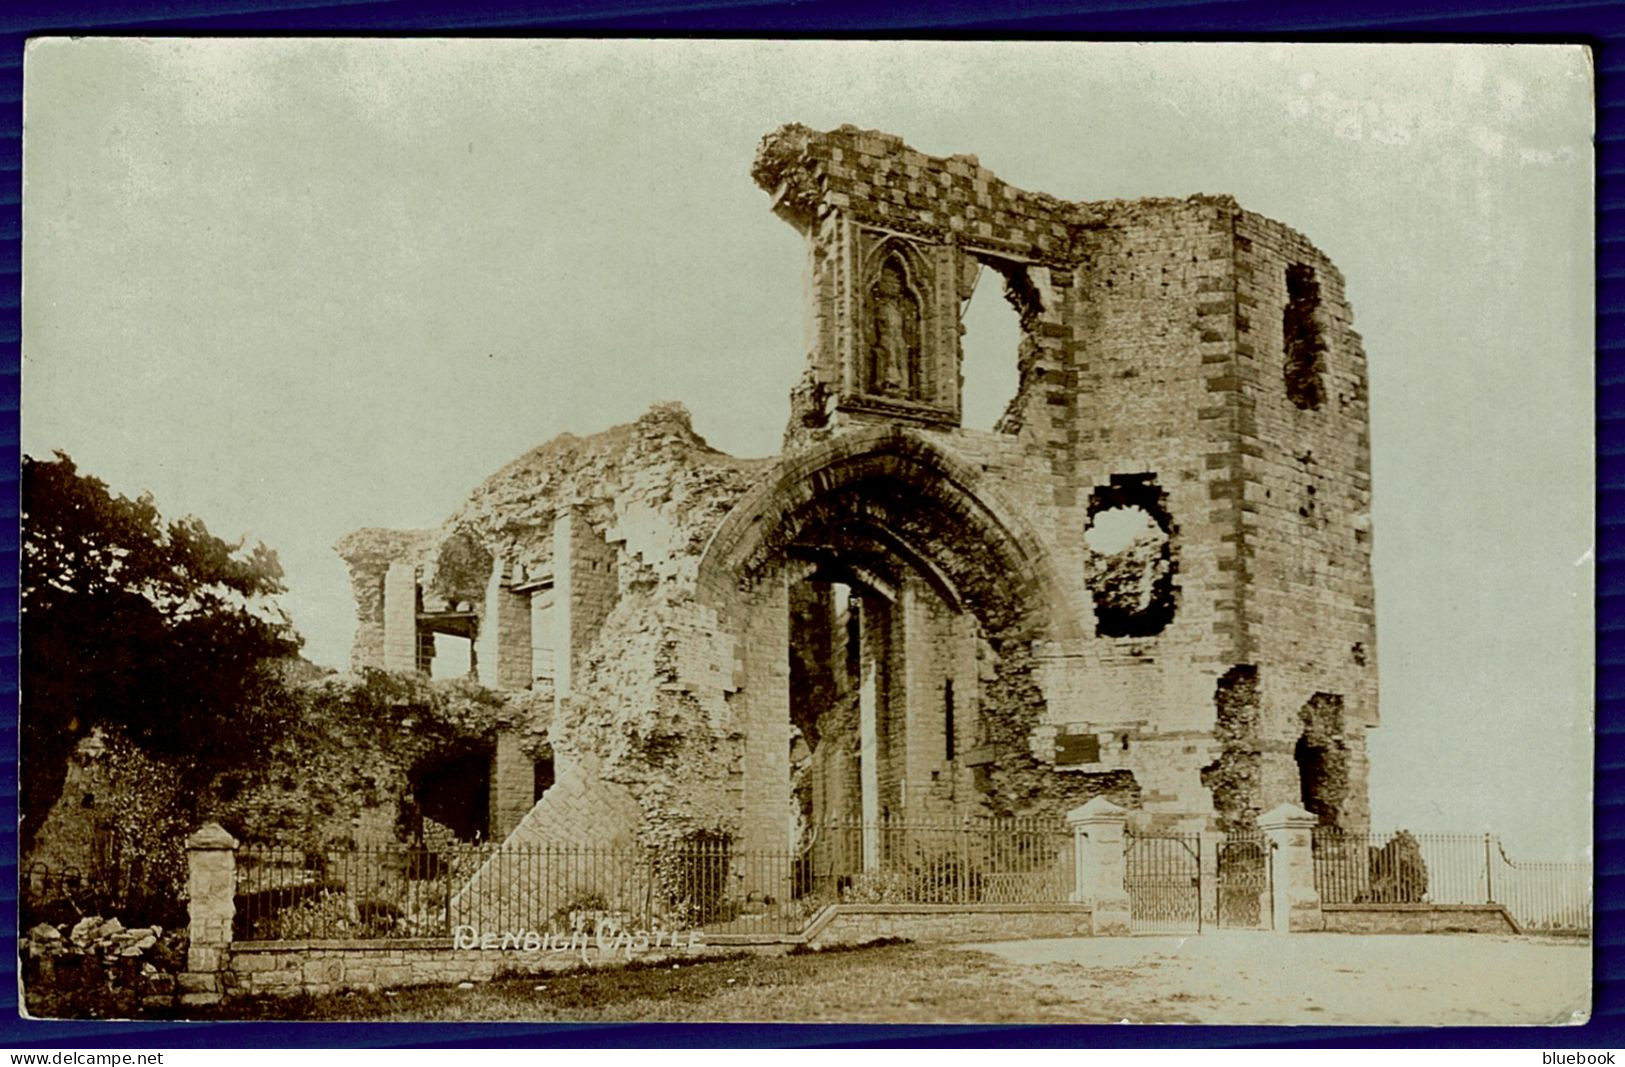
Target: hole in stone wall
x=1305, y=350
x=1322, y=758
x=991, y=345
x=453, y=657
x=1117, y=529
x=1233, y=778
x=1131, y=566
x=817, y=633
x=542, y=778
x=453, y=789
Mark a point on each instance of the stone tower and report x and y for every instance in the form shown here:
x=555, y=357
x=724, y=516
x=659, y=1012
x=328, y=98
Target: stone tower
x=1184, y=616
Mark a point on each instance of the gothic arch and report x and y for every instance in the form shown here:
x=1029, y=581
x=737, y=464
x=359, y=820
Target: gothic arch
x=905, y=252
x=891, y=494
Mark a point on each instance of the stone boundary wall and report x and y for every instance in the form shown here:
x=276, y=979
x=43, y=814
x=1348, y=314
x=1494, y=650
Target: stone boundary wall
x=319, y=968
x=1418, y=919
x=854, y=924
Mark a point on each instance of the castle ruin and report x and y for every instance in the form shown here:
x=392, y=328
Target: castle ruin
x=1150, y=581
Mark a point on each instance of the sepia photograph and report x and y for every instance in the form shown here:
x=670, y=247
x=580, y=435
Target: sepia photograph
x=908, y=532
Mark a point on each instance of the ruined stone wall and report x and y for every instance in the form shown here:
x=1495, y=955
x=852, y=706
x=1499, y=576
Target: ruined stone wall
x=1128, y=327
x=886, y=637
x=512, y=783
x=1304, y=473
x=1150, y=581
x=859, y=193
x=585, y=590
x=343, y=774
x=1152, y=343
x=616, y=521
x=503, y=649
x=369, y=553
x=935, y=655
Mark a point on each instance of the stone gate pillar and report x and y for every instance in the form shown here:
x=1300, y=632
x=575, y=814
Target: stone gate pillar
x=1288, y=829
x=1097, y=838
x=211, y=883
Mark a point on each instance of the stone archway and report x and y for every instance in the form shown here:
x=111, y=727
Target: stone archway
x=903, y=492
x=869, y=586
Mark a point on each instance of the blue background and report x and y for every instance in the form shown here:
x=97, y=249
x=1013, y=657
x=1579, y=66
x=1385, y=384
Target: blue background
x=1599, y=24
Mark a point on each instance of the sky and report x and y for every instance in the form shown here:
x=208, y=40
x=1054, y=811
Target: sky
x=300, y=287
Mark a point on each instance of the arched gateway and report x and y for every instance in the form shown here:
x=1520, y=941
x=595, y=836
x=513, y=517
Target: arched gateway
x=872, y=582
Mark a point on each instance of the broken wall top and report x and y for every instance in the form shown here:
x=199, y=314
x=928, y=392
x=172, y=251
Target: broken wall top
x=653, y=485
x=876, y=178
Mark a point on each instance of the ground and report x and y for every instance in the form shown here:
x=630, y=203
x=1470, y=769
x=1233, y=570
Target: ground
x=1231, y=978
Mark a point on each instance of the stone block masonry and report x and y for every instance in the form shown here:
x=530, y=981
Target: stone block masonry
x=579, y=810
x=210, y=885
x=321, y=968
x=513, y=783
x=1418, y=919
x=854, y=924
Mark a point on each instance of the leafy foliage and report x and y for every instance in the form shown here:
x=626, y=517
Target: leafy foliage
x=1399, y=874
x=693, y=878
x=159, y=630
x=353, y=747
x=322, y=913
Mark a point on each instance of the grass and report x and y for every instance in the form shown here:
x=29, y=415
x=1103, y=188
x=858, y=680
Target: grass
x=897, y=982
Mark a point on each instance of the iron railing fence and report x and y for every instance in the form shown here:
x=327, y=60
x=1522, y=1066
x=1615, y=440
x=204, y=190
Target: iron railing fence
x=1162, y=875
x=297, y=894
x=1543, y=897
x=115, y=880
x=1407, y=868
x=56, y=894
x=394, y=892
x=972, y=860
x=706, y=885
x=1243, y=895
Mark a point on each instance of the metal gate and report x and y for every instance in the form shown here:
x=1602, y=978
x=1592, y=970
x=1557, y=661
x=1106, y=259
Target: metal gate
x=1244, y=897
x=1162, y=874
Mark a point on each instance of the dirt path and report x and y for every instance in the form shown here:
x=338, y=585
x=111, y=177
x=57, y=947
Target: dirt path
x=1255, y=978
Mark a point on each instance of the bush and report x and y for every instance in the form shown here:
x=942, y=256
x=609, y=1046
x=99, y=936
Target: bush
x=880, y=887
x=1399, y=875
x=316, y=913
x=692, y=878
x=257, y=913
x=577, y=912
x=940, y=880
x=947, y=880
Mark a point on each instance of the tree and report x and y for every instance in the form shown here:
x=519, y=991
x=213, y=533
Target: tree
x=160, y=630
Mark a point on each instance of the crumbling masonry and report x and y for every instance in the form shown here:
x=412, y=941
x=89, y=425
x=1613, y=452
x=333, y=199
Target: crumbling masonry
x=1150, y=581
